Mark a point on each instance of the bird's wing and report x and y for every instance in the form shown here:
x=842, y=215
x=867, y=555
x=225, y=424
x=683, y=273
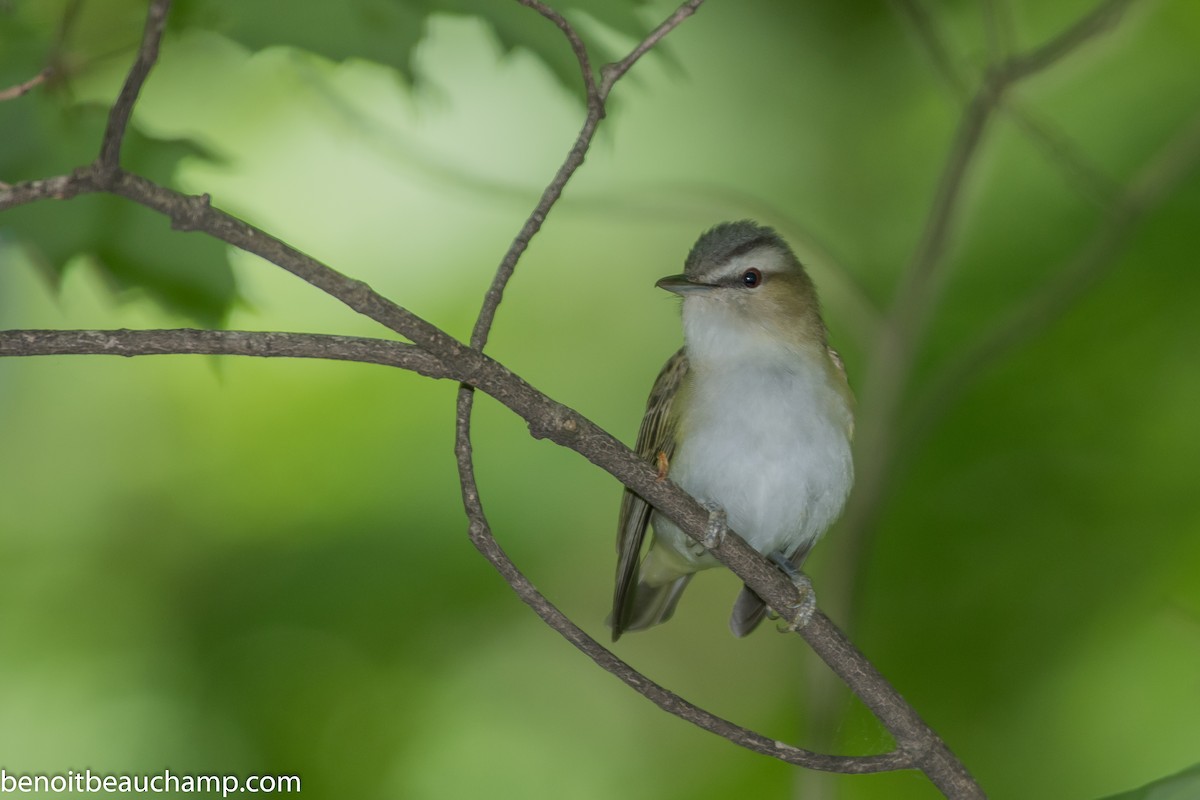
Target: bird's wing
x=657, y=435
x=843, y=383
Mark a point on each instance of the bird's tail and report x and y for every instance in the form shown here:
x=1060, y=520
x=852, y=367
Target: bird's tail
x=748, y=610
x=651, y=605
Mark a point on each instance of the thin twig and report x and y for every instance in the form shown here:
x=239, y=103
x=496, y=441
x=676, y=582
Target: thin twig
x=1101, y=19
x=1082, y=175
x=262, y=344
x=65, y=25
x=481, y=536
x=270, y=344
x=997, y=26
x=1162, y=173
x=911, y=733
x=611, y=73
x=53, y=65
x=122, y=109
x=23, y=88
x=546, y=418
x=934, y=44
x=918, y=746
x=575, y=40
x=596, y=96
x=920, y=286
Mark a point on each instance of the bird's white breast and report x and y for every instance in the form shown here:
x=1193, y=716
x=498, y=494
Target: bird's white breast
x=765, y=435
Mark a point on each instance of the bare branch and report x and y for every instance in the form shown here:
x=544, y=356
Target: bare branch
x=1083, y=176
x=918, y=746
x=912, y=734
x=1100, y=19
x=614, y=72
x=583, y=142
x=576, y=42
x=935, y=46
x=481, y=536
x=920, y=286
x=122, y=110
x=1175, y=161
x=1086, y=178
x=51, y=70
x=23, y=88
x=187, y=341
x=997, y=25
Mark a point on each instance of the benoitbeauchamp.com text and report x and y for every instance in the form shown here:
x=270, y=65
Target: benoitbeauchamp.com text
x=85, y=782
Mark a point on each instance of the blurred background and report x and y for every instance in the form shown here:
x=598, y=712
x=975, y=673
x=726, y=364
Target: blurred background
x=261, y=566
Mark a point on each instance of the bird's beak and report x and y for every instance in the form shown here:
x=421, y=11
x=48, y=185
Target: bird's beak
x=682, y=285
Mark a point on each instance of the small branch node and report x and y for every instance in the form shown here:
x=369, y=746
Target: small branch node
x=191, y=212
x=553, y=425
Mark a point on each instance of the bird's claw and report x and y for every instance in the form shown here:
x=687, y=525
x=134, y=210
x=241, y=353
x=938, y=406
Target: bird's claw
x=714, y=532
x=802, y=612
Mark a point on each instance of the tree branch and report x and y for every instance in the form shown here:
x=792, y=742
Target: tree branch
x=1100, y=253
x=187, y=341
x=596, y=97
x=1083, y=176
x=919, y=290
x=911, y=733
x=122, y=109
x=481, y=536
x=918, y=746
x=1101, y=19
x=17, y=90
x=271, y=344
x=614, y=72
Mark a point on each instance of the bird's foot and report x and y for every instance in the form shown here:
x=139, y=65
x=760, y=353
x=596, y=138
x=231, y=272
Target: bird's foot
x=807, y=606
x=714, y=532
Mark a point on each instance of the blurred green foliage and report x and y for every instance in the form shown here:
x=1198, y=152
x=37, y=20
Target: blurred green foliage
x=49, y=133
x=1183, y=786
x=256, y=567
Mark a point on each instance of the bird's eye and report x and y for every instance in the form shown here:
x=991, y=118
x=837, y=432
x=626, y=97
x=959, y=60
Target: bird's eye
x=751, y=278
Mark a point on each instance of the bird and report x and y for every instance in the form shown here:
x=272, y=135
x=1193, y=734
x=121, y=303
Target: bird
x=753, y=417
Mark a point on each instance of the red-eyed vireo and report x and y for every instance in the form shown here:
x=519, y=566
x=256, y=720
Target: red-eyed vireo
x=752, y=417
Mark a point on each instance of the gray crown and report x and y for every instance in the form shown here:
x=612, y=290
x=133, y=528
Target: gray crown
x=727, y=240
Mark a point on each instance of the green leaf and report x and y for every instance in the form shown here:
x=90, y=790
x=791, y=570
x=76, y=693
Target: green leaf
x=376, y=30
x=388, y=31
x=1180, y=786
x=133, y=247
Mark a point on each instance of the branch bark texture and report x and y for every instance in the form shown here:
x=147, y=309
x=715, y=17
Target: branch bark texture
x=432, y=352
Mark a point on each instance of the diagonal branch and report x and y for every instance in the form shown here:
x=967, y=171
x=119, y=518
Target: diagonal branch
x=481, y=536
x=122, y=109
x=577, y=46
x=918, y=746
x=920, y=286
x=1175, y=161
x=26, y=86
x=1086, y=178
x=912, y=735
x=596, y=96
x=611, y=73
x=1101, y=19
